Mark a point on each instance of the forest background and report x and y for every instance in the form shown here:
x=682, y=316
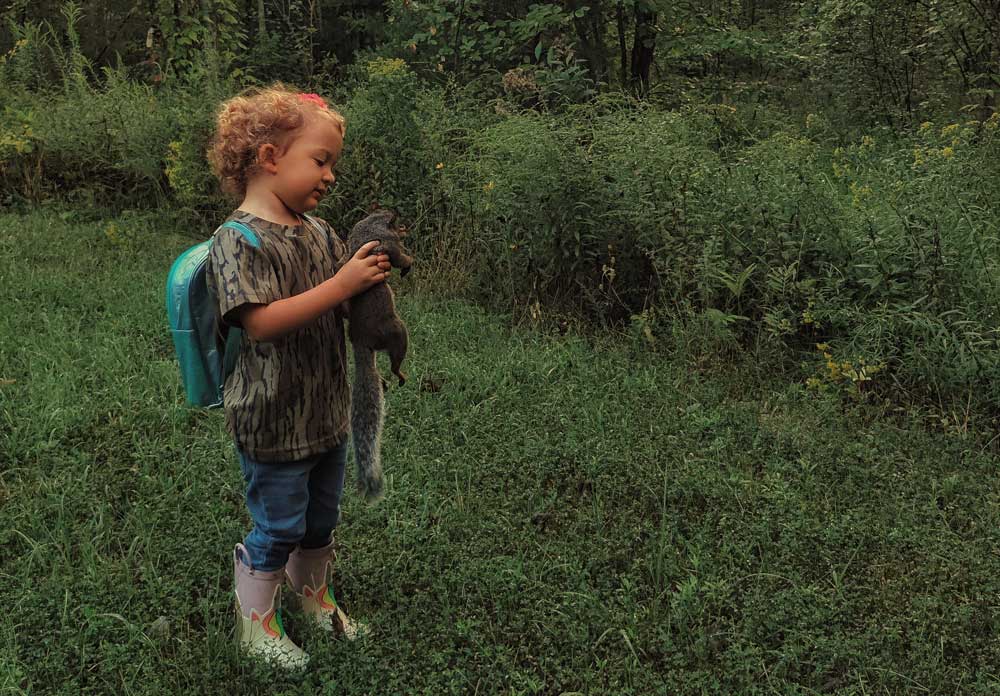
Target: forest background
x=807, y=183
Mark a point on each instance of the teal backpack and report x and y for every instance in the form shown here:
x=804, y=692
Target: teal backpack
x=205, y=350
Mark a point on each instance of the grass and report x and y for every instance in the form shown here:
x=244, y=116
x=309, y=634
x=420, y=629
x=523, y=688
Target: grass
x=562, y=517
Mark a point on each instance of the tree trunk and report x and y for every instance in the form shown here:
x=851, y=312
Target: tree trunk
x=643, y=47
x=622, y=47
x=311, y=45
x=261, y=25
x=590, y=32
x=456, y=38
x=597, y=25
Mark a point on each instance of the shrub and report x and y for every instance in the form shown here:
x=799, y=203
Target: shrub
x=656, y=171
x=530, y=193
x=383, y=160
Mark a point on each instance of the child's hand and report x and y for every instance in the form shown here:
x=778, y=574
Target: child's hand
x=364, y=271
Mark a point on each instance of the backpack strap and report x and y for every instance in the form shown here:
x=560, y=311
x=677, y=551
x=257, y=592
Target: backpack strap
x=254, y=240
x=314, y=223
x=247, y=233
x=228, y=340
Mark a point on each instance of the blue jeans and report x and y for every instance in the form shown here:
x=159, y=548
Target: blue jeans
x=292, y=503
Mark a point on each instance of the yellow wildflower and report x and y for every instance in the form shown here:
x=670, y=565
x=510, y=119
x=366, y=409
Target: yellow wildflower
x=383, y=67
x=860, y=194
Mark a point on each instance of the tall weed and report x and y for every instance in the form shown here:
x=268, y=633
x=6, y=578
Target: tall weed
x=383, y=160
x=655, y=168
x=527, y=186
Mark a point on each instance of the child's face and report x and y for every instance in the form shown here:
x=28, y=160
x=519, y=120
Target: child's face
x=304, y=172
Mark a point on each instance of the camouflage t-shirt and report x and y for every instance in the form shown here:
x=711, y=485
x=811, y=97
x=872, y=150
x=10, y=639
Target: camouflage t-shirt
x=286, y=399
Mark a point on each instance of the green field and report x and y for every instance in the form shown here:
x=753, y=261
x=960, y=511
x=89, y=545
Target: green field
x=564, y=515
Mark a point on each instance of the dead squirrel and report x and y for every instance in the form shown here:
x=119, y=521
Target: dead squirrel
x=374, y=326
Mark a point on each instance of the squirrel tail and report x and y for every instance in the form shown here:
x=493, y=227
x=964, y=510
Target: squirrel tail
x=367, y=414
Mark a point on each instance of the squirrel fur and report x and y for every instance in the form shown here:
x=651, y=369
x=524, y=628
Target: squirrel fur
x=374, y=326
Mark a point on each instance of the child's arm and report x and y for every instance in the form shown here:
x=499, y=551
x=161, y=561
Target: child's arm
x=268, y=322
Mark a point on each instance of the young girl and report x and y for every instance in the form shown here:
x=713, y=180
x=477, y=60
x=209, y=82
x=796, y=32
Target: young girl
x=287, y=399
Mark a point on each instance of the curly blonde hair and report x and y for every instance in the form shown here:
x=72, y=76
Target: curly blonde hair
x=256, y=117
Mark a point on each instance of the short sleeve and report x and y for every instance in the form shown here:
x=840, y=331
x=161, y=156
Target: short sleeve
x=243, y=274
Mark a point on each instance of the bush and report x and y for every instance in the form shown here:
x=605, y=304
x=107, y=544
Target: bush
x=383, y=157
x=530, y=193
x=918, y=292
x=110, y=138
x=107, y=136
x=656, y=169
x=195, y=188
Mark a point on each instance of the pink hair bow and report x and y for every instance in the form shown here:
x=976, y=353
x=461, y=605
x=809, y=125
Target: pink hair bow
x=314, y=98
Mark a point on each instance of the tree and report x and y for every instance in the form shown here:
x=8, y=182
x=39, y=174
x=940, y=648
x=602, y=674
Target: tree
x=643, y=46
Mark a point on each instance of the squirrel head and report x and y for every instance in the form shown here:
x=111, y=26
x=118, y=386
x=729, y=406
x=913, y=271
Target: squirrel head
x=381, y=226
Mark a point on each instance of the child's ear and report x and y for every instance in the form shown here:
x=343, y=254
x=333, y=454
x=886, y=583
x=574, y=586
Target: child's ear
x=267, y=157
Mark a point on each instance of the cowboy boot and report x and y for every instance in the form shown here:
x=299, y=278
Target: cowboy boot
x=258, y=615
x=307, y=572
